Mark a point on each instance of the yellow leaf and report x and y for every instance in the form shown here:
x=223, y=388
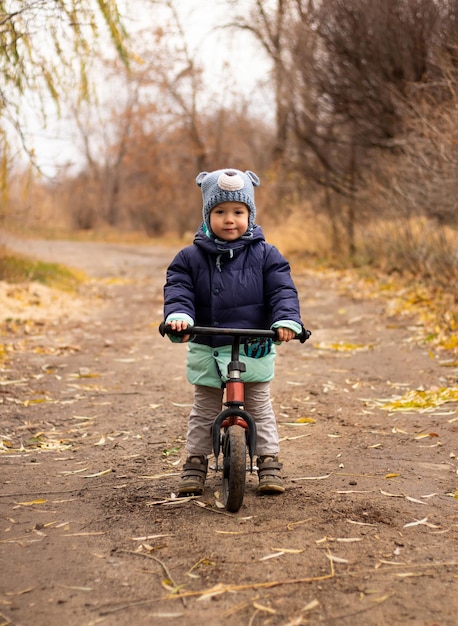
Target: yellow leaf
x=32, y=502
x=168, y=585
x=98, y=474
x=342, y=346
x=392, y=475
x=305, y=420
x=288, y=550
x=419, y=400
x=425, y=435
x=35, y=401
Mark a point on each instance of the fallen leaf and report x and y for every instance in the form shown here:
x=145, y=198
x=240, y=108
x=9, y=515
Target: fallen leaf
x=292, y=525
x=266, y=609
x=336, y=559
x=102, y=473
x=420, y=522
x=311, y=605
x=19, y=593
x=341, y=346
x=391, y=495
x=417, y=400
x=351, y=521
x=147, y=537
x=214, y=591
x=78, y=471
x=289, y=550
x=311, y=478
x=271, y=556
x=410, y=499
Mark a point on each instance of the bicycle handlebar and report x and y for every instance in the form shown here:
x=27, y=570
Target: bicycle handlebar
x=165, y=329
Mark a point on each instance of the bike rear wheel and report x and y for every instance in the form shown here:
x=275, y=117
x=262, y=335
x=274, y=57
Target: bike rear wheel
x=234, y=468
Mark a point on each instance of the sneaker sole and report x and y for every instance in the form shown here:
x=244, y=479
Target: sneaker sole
x=271, y=489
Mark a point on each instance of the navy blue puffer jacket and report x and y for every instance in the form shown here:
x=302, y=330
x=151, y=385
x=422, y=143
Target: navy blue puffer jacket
x=241, y=284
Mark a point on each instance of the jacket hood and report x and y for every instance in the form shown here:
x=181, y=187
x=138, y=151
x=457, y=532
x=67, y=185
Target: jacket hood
x=208, y=242
x=224, y=251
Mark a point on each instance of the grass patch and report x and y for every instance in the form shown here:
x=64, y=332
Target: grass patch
x=19, y=269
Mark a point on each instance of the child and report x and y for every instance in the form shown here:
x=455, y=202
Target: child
x=230, y=277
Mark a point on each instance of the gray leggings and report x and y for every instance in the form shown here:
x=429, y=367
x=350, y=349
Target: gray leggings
x=207, y=405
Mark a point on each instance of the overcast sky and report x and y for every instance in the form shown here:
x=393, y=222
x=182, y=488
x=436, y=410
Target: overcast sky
x=218, y=51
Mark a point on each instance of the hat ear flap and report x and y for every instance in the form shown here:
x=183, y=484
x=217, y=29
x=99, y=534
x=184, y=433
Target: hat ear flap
x=253, y=177
x=200, y=178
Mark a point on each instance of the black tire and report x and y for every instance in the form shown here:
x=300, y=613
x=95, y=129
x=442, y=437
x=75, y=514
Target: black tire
x=234, y=468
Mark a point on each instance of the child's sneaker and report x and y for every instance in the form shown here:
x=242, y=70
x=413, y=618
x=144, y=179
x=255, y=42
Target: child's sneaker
x=269, y=475
x=193, y=477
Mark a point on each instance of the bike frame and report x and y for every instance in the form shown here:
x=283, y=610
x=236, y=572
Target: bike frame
x=234, y=414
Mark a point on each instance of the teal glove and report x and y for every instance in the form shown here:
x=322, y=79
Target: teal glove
x=257, y=347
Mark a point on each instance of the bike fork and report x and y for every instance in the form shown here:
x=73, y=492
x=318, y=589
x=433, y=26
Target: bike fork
x=235, y=414
x=240, y=417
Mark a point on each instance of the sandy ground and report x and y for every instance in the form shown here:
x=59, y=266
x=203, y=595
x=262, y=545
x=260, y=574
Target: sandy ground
x=93, y=405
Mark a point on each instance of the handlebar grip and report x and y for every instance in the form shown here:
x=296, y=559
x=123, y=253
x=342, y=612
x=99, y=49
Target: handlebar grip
x=304, y=335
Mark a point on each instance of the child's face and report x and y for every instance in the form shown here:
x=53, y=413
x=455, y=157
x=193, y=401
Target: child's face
x=229, y=220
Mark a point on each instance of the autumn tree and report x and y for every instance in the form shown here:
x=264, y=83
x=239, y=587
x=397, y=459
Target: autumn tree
x=356, y=81
x=46, y=47
x=157, y=129
x=271, y=25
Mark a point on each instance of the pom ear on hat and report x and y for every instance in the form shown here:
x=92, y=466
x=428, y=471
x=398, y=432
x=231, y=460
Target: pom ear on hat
x=228, y=185
x=200, y=177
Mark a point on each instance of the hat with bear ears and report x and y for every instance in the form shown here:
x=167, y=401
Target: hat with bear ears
x=228, y=185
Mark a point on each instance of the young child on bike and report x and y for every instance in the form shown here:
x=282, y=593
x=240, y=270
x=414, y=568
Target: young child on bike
x=230, y=277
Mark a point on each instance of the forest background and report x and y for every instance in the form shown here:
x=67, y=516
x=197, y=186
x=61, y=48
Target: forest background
x=351, y=124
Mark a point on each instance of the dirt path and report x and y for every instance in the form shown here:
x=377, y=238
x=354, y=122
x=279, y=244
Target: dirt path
x=93, y=415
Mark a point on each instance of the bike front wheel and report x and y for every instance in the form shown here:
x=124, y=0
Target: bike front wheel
x=234, y=468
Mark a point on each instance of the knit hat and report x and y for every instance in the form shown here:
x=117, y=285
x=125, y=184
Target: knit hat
x=228, y=185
